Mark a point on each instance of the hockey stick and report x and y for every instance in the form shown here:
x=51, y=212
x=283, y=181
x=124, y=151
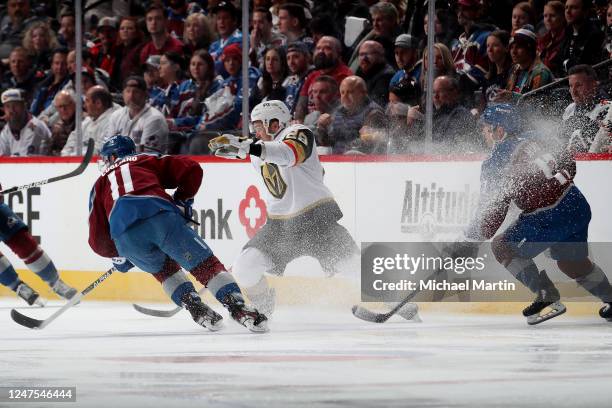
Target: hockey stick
x=162, y=313
x=86, y=159
x=31, y=323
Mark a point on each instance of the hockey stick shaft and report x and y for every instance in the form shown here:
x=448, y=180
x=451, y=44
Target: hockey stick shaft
x=162, y=313
x=41, y=324
x=86, y=159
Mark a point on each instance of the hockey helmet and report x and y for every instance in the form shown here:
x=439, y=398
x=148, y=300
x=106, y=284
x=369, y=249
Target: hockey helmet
x=501, y=115
x=117, y=147
x=268, y=111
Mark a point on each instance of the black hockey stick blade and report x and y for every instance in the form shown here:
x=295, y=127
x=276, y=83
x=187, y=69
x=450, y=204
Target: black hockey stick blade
x=32, y=323
x=86, y=159
x=162, y=313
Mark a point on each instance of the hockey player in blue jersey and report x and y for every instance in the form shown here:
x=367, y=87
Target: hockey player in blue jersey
x=537, y=176
x=134, y=221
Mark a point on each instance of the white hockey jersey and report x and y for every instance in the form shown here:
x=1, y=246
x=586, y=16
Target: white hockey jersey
x=292, y=173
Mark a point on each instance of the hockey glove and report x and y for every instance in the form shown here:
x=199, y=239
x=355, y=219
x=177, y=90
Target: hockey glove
x=122, y=264
x=230, y=146
x=186, y=207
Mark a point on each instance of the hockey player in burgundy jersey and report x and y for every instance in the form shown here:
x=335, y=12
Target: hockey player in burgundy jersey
x=134, y=221
x=14, y=233
x=538, y=177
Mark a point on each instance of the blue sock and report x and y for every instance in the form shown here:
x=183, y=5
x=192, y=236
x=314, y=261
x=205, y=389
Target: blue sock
x=8, y=276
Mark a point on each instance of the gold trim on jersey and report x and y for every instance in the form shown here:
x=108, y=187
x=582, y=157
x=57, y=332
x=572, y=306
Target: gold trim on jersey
x=303, y=210
x=273, y=180
x=299, y=149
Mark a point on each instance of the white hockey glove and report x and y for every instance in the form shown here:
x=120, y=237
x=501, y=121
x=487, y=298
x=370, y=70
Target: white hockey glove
x=230, y=146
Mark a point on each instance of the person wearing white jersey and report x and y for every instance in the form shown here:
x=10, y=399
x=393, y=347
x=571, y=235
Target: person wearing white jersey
x=23, y=134
x=302, y=212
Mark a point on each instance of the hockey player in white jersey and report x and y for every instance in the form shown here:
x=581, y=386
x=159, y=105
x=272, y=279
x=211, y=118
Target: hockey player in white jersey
x=302, y=212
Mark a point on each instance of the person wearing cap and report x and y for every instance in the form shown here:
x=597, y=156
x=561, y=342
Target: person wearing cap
x=23, y=134
x=155, y=85
x=104, y=52
x=262, y=36
x=139, y=120
x=298, y=61
x=161, y=40
x=226, y=26
x=528, y=72
x=407, y=59
x=292, y=23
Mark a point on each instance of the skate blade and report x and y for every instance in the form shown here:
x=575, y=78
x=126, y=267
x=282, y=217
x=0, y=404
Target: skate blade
x=556, y=309
x=261, y=328
x=216, y=326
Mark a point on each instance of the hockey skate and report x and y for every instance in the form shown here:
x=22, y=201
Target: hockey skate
x=201, y=313
x=247, y=316
x=28, y=294
x=606, y=311
x=63, y=290
x=536, y=313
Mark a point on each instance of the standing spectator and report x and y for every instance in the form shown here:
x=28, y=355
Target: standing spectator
x=357, y=115
x=298, y=61
x=385, y=28
x=375, y=71
x=99, y=106
x=522, y=14
x=528, y=73
x=406, y=58
x=14, y=24
x=23, y=134
x=104, y=53
x=139, y=120
x=226, y=25
x=583, y=39
x=40, y=41
x=177, y=91
x=161, y=41
x=498, y=43
x=549, y=44
x=327, y=61
x=198, y=33
x=292, y=23
x=65, y=104
x=275, y=70
x=21, y=74
x=127, y=52
x=67, y=31
x=325, y=98
x=55, y=81
x=262, y=36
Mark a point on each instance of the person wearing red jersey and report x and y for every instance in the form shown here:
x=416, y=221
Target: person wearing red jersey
x=134, y=221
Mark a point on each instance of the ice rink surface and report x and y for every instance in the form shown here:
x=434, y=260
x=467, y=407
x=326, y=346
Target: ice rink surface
x=117, y=357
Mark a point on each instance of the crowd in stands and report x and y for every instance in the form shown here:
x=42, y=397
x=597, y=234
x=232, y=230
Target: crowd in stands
x=168, y=73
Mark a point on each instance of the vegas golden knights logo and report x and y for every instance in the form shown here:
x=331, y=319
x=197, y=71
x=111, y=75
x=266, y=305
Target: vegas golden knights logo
x=273, y=180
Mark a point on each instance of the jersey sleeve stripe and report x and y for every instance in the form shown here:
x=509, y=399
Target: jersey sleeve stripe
x=298, y=150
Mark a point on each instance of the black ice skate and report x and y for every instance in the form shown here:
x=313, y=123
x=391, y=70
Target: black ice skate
x=63, y=290
x=28, y=294
x=201, y=313
x=547, y=298
x=606, y=311
x=247, y=316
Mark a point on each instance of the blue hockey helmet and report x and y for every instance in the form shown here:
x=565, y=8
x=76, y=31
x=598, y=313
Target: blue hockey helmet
x=502, y=115
x=117, y=147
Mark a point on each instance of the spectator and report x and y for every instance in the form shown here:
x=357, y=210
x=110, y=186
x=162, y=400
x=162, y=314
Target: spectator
x=326, y=98
x=161, y=41
x=445, y=28
x=14, y=24
x=177, y=12
x=470, y=52
x=406, y=58
x=67, y=31
x=52, y=84
x=400, y=140
x=226, y=25
x=527, y=73
x=454, y=127
x=21, y=74
x=127, y=52
x=23, y=134
x=385, y=28
x=549, y=44
x=275, y=71
x=155, y=85
x=104, y=53
x=327, y=61
x=177, y=91
x=65, y=104
x=375, y=71
x=498, y=43
x=139, y=120
x=292, y=24
x=39, y=41
x=198, y=34
x=262, y=36
x=99, y=106
x=583, y=39
x=203, y=84
x=322, y=25
x=298, y=62
x=586, y=112
x=356, y=115
x=443, y=65
x=522, y=14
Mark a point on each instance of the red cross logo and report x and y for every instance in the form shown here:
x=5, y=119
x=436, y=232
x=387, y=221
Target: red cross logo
x=252, y=211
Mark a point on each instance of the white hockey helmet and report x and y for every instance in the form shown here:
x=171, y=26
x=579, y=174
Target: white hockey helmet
x=268, y=111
